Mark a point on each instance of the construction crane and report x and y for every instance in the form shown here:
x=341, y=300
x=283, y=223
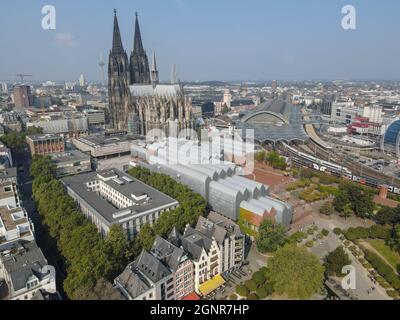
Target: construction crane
x=20, y=75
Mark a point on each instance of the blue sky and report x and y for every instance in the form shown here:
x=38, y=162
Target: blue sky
x=207, y=39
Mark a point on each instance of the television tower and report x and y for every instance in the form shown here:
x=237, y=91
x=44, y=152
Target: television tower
x=174, y=79
x=101, y=65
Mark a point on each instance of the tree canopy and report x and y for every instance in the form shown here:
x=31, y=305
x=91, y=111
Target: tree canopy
x=335, y=260
x=296, y=272
x=270, y=236
x=87, y=256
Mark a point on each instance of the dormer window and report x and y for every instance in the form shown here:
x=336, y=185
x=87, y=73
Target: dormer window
x=32, y=282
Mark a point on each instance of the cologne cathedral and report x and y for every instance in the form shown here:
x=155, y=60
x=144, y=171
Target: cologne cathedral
x=138, y=102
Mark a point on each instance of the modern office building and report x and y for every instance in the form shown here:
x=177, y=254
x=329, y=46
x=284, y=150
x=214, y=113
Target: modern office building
x=96, y=119
x=22, y=96
x=107, y=150
x=71, y=162
x=113, y=197
x=66, y=124
x=43, y=144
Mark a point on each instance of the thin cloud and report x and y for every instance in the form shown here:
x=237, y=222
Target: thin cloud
x=66, y=40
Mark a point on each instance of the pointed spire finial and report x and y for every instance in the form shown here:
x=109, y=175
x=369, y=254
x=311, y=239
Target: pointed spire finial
x=154, y=64
x=117, y=42
x=137, y=45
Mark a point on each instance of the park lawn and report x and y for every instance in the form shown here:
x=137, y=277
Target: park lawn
x=391, y=256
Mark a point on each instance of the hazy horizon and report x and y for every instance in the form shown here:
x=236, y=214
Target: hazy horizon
x=253, y=40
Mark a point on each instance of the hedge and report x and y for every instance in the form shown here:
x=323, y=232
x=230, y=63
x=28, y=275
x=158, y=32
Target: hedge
x=382, y=268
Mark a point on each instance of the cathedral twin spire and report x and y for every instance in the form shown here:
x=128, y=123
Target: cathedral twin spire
x=139, y=71
x=117, y=43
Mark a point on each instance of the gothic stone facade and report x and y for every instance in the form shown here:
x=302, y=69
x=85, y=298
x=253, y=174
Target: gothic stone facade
x=138, y=103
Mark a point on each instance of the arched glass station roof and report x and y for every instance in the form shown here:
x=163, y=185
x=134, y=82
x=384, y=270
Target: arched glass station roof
x=275, y=120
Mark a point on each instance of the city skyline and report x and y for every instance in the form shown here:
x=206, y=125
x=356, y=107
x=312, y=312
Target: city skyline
x=285, y=41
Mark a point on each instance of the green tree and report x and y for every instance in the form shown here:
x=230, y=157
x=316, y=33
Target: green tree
x=335, y=260
x=296, y=272
x=260, y=156
x=275, y=160
x=42, y=166
x=347, y=211
x=270, y=236
x=145, y=238
x=327, y=208
x=388, y=215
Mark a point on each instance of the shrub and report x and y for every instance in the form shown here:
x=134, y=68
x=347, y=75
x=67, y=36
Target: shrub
x=337, y=231
x=251, y=285
x=327, y=208
x=392, y=293
x=297, y=237
x=263, y=269
x=320, y=235
x=347, y=243
x=233, y=297
x=259, y=277
x=309, y=244
x=380, y=279
x=362, y=260
x=325, y=232
x=310, y=231
x=252, y=296
x=262, y=293
x=269, y=288
x=241, y=290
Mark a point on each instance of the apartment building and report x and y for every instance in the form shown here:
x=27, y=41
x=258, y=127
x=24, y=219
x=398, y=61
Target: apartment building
x=44, y=144
x=147, y=278
x=177, y=260
x=25, y=271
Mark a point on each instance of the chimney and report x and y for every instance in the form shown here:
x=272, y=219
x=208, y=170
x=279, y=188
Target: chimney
x=383, y=190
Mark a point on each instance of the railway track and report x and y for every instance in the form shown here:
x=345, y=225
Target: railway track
x=355, y=167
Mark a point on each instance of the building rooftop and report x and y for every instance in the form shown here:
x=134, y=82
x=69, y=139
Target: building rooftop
x=12, y=217
x=100, y=140
x=67, y=156
x=22, y=262
x=165, y=251
x=9, y=173
x=43, y=137
x=122, y=183
x=193, y=242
